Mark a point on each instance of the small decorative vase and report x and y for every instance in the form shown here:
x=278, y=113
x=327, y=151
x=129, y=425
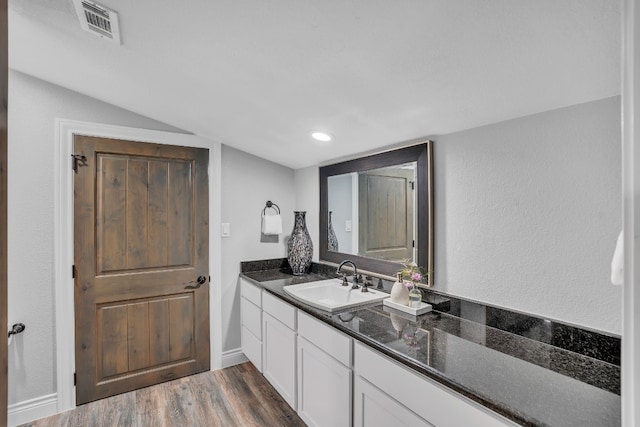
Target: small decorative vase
x=399, y=292
x=300, y=245
x=332, y=240
x=415, y=297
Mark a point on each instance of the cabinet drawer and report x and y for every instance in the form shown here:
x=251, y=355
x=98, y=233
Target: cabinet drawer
x=445, y=408
x=374, y=408
x=252, y=348
x=280, y=310
x=251, y=317
x=251, y=292
x=325, y=337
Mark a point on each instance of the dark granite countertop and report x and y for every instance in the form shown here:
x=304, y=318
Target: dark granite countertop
x=533, y=371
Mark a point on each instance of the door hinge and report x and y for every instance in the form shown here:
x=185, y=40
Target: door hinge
x=78, y=160
x=413, y=243
x=73, y=271
x=413, y=185
x=75, y=379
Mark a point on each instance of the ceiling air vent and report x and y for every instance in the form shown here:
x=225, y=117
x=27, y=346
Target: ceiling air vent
x=98, y=20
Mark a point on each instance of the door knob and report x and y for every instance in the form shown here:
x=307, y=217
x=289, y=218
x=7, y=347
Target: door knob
x=201, y=280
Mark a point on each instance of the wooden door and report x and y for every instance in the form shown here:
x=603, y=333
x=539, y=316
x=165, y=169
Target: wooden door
x=385, y=200
x=141, y=263
x=4, y=78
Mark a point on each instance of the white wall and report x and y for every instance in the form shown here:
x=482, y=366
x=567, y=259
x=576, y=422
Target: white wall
x=527, y=212
x=33, y=106
x=247, y=183
x=307, y=198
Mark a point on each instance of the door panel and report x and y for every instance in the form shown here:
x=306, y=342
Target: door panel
x=386, y=214
x=141, y=242
x=144, y=334
x=139, y=336
x=136, y=229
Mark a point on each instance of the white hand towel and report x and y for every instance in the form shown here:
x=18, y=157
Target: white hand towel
x=271, y=225
x=617, y=263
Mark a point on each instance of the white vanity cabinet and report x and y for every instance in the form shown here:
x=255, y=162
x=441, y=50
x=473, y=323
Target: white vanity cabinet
x=251, y=319
x=332, y=380
x=324, y=374
x=279, y=346
x=386, y=393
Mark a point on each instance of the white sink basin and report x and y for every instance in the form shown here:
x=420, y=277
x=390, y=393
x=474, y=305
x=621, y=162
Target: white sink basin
x=330, y=295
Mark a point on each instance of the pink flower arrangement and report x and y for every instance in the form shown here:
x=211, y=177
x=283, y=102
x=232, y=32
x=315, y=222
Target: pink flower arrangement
x=412, y=273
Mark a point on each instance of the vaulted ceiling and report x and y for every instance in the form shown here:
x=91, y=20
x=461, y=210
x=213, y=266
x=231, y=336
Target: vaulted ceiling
x=261, y=75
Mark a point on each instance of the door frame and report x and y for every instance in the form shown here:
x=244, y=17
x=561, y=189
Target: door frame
x=64, y=237
x=631, y=211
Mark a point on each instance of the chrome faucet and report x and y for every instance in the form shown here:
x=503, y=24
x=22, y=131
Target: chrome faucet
x=355, y=273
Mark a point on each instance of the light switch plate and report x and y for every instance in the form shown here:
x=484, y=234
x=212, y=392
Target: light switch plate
x=225, y=229
x=347, y=225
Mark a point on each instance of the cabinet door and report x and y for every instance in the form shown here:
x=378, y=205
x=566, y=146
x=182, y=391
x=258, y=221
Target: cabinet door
x=251, y=319
x=279, y=357
x=252, y=348
x=324, y=388
x=374, y=408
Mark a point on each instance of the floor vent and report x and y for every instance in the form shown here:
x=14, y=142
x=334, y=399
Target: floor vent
x=98, y=20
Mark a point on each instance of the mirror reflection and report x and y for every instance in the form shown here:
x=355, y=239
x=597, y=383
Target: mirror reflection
x=377, y=211
x=372, y=212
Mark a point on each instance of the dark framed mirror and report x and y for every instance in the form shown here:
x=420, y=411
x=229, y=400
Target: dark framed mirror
x=378, y=210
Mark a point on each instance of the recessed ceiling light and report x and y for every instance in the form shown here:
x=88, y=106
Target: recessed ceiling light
x=321, y=136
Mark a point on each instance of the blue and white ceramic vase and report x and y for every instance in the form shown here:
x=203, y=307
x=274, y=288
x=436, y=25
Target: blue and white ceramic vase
x=332, y=240
x=300, y=245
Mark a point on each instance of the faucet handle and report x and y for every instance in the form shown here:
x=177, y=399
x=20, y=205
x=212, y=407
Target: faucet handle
x=366, y=284
x=344, y=280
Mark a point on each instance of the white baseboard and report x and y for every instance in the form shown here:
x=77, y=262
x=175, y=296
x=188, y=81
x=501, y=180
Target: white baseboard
x=233, y=357
x=32, y=409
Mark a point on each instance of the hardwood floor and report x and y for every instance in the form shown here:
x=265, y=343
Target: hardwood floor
x=236, y=396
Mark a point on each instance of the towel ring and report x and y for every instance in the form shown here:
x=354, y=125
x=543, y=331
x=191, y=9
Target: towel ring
x=271, y=205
